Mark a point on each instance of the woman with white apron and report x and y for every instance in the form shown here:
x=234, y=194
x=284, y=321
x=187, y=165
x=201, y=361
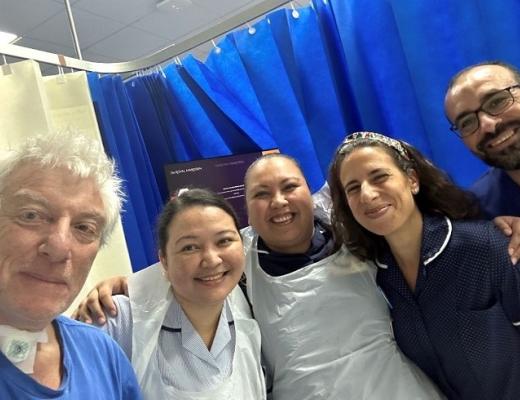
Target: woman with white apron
x=326, y=330
x=192, y=335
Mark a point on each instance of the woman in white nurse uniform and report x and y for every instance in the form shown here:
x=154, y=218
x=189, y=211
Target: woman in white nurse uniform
x=192, y=335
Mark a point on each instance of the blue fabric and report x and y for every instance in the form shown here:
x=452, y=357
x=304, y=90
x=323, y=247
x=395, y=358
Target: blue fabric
x=139, y=184
x=376, y=58
x=123, y=142
x=133, y=236
x=497, y=193
x=241, y=131
x=277, y=98
x=157, y=130
x=225, y=62
x=95, y=368
x=320, y=104
x=338, y=64
x=458, y=323
x=202, y=131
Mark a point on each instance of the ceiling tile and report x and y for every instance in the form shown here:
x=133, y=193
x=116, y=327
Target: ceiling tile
x=47, y=46
x=100, y=58
x=225, y=7
x=89, y=27
x=128, y=44
x=116, y=30
x=20, y=16
x=123, y=11
x=173, y=23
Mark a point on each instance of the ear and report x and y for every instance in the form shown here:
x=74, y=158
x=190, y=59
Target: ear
x=414, y=180
x=162, y=259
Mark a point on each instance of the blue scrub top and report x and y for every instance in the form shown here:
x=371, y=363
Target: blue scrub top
x=497, y=193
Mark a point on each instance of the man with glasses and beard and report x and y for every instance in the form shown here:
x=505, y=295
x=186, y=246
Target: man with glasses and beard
x=483, y=105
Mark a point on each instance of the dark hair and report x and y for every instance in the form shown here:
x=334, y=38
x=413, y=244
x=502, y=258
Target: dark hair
x=267, y=157
x=186, y=199
x=511, y=68
x=438, y=195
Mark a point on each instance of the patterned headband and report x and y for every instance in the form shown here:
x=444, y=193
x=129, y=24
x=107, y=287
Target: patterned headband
x=355, y=138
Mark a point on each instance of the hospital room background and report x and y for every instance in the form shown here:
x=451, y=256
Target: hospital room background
x=249, y=76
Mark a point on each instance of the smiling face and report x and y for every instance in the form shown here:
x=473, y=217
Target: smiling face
x=378, y=192
x=279, y=205
x=50, y=229
x=497, y=140
x=204, y=257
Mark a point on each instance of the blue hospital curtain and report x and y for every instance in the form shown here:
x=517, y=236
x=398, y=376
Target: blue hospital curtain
x=287, y=69
x=300, y=80
x=124, y=143
x=401, y=55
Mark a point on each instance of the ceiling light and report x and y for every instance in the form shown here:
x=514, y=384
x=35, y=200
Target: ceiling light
x=6, y=37
x=176, y=4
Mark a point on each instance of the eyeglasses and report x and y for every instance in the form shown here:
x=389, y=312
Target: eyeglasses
x=494, y=105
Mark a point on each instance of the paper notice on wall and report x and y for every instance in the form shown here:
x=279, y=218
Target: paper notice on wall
x=69, y=103
x=23, y=108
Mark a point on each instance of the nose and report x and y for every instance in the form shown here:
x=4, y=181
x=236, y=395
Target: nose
x=278, y=200
x=487, y=123
x=211, y=257
x=368, y=192
x=57, y=245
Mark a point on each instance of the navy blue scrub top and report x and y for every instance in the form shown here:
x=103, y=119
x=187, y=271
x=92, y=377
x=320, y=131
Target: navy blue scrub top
x=461, y=324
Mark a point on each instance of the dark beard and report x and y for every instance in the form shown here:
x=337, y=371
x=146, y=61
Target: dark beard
x=509, y=158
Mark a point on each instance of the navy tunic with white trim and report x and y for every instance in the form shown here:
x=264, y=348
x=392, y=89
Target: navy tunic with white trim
x=461, y=325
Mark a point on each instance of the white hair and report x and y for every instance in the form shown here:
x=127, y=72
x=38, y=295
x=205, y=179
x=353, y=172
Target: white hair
x=82, y=156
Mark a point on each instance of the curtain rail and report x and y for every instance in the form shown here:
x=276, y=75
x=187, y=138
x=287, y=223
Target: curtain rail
x=154, y=59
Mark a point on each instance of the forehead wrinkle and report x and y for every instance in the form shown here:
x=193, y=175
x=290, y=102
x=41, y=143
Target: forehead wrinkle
x=490, y=90
x=29, y=195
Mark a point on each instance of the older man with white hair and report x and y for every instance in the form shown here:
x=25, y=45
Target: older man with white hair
x=59, y=200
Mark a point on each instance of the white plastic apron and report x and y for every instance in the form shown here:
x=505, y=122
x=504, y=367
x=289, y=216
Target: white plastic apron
x=326, y=334
x=150, y=297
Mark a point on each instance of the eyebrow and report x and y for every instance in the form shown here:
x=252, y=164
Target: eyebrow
x=100, y=219
x=193, y=237
x=373, y=172
x=284, y=180
x=482, y=101
x=28, y=196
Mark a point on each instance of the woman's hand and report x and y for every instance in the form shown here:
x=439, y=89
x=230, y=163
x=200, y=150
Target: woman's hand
x=510, y=226
x=99, y=300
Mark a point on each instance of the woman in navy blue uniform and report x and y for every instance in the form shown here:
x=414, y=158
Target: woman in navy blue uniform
x=451, y=287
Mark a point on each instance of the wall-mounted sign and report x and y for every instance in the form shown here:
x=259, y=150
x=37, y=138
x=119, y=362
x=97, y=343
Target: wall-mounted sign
x=223, y=175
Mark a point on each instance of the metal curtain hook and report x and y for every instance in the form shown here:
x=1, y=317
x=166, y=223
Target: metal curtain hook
x=250, y=29
x=217, y=49
x=295, y=13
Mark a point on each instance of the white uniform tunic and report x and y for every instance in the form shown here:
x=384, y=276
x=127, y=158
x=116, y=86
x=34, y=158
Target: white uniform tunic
x=326, y=333
x=150, y=298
